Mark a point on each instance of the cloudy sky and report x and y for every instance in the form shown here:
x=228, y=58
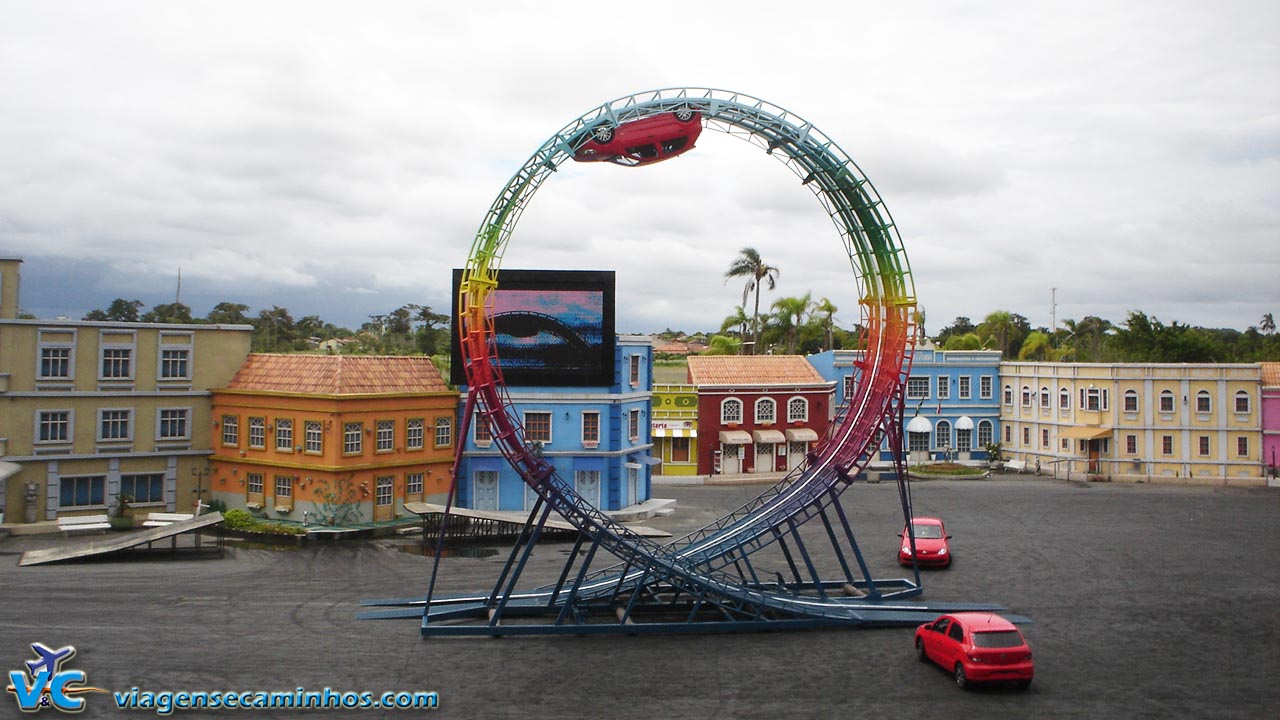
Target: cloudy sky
x=337, y=158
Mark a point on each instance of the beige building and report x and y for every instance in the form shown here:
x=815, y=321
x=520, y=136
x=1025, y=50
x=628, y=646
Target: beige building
x=1134, y=422
x=94, y=410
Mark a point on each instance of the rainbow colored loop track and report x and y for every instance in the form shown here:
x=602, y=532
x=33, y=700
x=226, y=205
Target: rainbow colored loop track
x=721, y=577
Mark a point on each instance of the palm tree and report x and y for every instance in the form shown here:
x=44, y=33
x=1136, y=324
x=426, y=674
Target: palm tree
x=1000, y=327
x=828, y=310
x=739, y=321
x=790, y=313
x=749, y=265
x=1268, y=324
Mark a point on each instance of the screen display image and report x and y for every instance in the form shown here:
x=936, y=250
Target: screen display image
x=552, y=327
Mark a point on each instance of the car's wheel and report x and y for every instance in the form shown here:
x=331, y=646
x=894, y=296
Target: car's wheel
x=602, y=134
x=962, y=682
x=683, y=114
x=920, y=653
x=1024, y=684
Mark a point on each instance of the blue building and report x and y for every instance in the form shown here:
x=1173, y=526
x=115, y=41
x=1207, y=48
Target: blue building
x=598, y=438
x=952, y=408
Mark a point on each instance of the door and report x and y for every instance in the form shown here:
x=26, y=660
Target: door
x=730, y=459
x=1095, y=457
x=795, y=454
x=633, y=486
x=384, y=498
x=530, y=496
x=484, y=490
x=764, y=458
x=587, y=483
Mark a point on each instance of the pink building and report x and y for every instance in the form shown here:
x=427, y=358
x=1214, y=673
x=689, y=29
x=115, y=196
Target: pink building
x=1271, y=417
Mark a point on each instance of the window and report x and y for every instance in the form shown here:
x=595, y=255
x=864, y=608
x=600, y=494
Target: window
x=284, y=486
x=1064, y=399
x=590, y=428
x=173, y=424
x=148, y=488
x=943, y=430
x=53, y=426
x=1026, y=396
x=255, y=483
x=413, y=484
x=679, y=449
x=848, y=386
x=1166, y=444
x=918, y=441
x=797, y=410
x=944, y=387
x=1008, y=434
x=537, y=427
x=917, y=388
x=1046, y=400
x=1094, y=399
x=284, y=435
x=314, y=436
x=55, y=362
x=1131, y=444
x=257, y=432
x=1242, y=402
x=986, y=433
x=231, y=430
x=1131, y=401
x=633, y=425
x=385, y=490
x=964, y=440
x=352, y=438
x=635, y=370
x=480, y=431
x=1008, y=395
x=415, y=433
x=1242, y=446
x=1166, y=401
x=730, y=411
x=386, y=438
x=1044, y=437
x=174, y=364
x=444, y=432
x=87, y=491
x=114, y=424
x=966, y=387
x=766, y=410
x=1026, y=436
x=1204, y=445
x=1203, y=403
x=117, y=362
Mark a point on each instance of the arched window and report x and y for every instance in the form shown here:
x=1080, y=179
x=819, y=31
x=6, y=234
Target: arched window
x=1131, y=401
x=1166, y=401
x=1045, y=398
x=1008, y=394
x=1203, y=402
x=1242, y=402
x=1026, y=396
x=797, y=409
x=1064, y=399
x=942, y=438
x=766, y=410
x=730, y=411
x=986, y=432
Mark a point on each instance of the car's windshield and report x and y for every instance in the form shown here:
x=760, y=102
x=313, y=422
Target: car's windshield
x=997, y=639
x=926, y=532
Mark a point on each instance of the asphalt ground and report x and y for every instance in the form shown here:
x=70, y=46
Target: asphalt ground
x=1148, y=601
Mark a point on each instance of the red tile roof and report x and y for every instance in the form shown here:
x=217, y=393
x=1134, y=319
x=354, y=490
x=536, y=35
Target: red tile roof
x=1270, y=374
x=338, y=374
x=752, y=370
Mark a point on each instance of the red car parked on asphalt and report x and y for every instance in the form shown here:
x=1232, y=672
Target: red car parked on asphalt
x=931, y=548
x=976, y=647
x=643, y=142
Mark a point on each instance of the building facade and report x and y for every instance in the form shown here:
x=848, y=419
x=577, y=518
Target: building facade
x=333, y=439
x=598, y=439
x=1133, y=421
x=94, y=411
x=675, y=429
x=952, y=407
x=758, y=413
x=1271, y=417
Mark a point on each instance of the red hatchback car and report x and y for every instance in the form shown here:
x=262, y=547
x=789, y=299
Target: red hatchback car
x=643, y=142
x=932, y=547
x=976, y=647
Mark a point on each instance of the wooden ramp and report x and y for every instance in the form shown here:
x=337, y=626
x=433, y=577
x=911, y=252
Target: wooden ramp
x=122, y=541
x=464, y=522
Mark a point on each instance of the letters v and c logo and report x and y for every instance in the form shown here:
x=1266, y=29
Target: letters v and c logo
x=45, y=684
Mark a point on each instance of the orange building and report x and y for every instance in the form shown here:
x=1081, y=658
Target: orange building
x=332, y=439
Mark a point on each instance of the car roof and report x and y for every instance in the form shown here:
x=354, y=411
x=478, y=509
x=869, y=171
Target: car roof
x=983, y=621
x=927, y=520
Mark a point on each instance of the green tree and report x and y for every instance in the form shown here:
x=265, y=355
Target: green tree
x=960, y=326
x=790, y=314
x=1268, y=324
x=967, y=341
x=827, y=310
x=168, y=313
x=998, y=330
x=723, y=345
x=227, y=313
x=120, y=310
x=749, y=264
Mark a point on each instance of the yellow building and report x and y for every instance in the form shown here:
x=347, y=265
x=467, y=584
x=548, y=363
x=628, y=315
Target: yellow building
x=1192, y=423
x=333, y=439
x=674, y=423
x=96, y=410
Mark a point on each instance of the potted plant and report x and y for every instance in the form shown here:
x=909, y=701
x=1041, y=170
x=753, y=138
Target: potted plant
x=122, y=520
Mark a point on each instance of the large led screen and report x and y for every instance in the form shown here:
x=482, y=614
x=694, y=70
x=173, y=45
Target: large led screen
x=552, y=328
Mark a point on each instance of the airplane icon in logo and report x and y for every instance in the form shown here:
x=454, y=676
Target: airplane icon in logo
x=50, y=660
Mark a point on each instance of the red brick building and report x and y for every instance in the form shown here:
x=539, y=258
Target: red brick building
x=758, y=414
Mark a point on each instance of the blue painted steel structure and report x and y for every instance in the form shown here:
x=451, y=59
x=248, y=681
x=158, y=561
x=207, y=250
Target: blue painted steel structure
x=751, y=569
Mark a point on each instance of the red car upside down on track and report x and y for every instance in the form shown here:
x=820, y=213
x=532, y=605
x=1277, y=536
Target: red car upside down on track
x=644, y=141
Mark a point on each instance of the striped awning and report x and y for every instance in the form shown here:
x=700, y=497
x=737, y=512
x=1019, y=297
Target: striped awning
x=675, y=432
